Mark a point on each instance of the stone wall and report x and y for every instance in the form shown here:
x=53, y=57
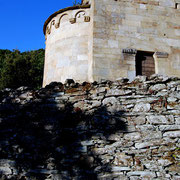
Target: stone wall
x=152, y=26
x=68, y=45
x=103, y=130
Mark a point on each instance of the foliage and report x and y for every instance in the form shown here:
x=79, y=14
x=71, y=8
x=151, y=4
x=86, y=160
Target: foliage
x=76, y=2
x=21, y=69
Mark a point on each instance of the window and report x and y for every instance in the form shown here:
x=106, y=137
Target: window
x=145, y=63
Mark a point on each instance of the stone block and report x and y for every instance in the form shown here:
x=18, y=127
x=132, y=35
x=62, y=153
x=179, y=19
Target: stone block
x=151, y=165
x=165, y=162
x=177, y=120
x=132, y=136
x=113, y=43
x=172, y=134
x=5, y=170
x=110, y=100
x=118, y=92
x=167, y=3
x=157, y=87
x=152, y=143
x=139, y=120
x=169, y=127
x=159, y=119
x=142, y=107
x=148, y=174
x=149, y=135
x=119, y=168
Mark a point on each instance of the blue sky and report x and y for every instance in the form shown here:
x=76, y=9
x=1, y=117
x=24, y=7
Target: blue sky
x=22, y=22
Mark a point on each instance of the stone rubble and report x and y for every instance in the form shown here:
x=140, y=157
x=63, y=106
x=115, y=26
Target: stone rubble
x=102, y=130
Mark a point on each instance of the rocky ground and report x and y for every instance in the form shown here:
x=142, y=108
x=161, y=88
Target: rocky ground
x=102, y=130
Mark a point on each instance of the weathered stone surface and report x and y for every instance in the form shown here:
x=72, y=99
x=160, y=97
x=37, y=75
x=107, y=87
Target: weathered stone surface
x=118, y=168
x=142, y=174
x=149, y=144
x=140, y=79
x=90, y=134
x=118, y=92
x=132, y=136
x=95, y=104
x=110, y=101
x=151, y=165
x=159, y=119
x=178, y=88
x=165, y=162
x=147, y=127
x=169, y=127
x=137, y=120
x=157, y=87
x=5, y=170
x=172, y=99
x=176, y=177
x=177, y=120
x=142, y=107
x=149, y=135
x=172, y=134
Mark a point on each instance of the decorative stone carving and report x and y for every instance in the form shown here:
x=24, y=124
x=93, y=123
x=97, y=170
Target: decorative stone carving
x=84, y=2
x=129, y=51
x=161, y=54
x=72, y=20
x=53, y=23
x=48, y=30
x=57, y=25
x=87, y=18
x=80, y=14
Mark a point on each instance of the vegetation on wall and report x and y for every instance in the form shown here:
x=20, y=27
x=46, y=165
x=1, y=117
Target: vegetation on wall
x=21, y=69
x=76, y=2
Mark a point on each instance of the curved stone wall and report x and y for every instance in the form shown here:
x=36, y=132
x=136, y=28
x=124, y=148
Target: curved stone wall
x=67, y=45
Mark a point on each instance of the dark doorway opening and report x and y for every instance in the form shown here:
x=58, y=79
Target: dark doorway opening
x=145, y=65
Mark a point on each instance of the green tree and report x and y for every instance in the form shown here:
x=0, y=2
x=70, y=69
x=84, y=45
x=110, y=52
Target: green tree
x=21, y=69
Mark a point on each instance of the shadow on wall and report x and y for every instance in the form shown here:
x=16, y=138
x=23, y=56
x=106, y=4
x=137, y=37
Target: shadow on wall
x=39, y=140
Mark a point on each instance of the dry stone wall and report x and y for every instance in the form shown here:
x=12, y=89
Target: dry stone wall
x=101, y=130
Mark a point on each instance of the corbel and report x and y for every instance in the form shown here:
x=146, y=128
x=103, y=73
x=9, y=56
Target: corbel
x=72, y=20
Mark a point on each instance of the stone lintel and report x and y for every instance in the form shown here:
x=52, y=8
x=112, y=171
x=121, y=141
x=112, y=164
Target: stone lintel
x=129, y=51
x=161, y=54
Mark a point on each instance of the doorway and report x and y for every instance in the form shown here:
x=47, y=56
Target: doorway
x=145, y=64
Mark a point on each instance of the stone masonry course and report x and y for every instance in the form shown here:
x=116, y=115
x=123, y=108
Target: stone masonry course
x=101, y=130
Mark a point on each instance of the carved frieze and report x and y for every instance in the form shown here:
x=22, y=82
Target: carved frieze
x=57, y=25
x=129, y=51
x=86, y=18
x=72, y=20
x=81, y=14
x=48, y=30
x=161, y=54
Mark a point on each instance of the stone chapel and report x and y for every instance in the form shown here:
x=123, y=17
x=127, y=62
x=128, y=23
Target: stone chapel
x=109, y=39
